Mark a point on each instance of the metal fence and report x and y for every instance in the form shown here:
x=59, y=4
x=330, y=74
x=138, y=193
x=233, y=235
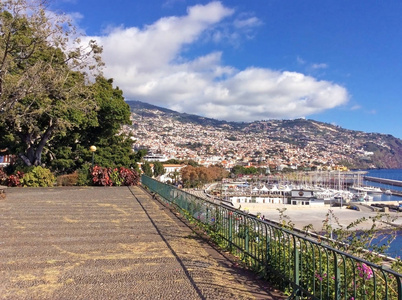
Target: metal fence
x=302, y=266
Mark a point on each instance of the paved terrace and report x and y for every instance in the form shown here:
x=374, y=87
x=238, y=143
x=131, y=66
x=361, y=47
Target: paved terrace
x=109, y=243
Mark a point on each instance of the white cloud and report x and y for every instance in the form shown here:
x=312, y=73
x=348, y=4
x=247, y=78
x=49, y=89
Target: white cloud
x=149, y=64
x=355, y=107
x=300, y=60
x=246, y=23
x=319, y=66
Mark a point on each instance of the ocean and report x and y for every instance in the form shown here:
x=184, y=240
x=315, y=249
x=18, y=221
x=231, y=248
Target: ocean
x=395, y=249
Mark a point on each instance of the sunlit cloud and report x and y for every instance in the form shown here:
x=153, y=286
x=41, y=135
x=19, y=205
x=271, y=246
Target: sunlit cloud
x=151, y=64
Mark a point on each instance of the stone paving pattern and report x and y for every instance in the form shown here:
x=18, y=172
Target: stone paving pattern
x=109, y=243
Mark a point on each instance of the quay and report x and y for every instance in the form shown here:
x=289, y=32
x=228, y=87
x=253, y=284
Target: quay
x=110, y=243
x=383, y=180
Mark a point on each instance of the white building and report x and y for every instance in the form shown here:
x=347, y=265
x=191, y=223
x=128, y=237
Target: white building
x=155, y=157
x=236, y=200
x=304, y=197
x=171, y=170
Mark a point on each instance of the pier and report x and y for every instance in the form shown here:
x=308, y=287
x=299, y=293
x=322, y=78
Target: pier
x=383, y=180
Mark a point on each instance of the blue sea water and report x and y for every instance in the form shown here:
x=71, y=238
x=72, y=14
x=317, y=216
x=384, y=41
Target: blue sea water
x=395, y=174
x=395, y=249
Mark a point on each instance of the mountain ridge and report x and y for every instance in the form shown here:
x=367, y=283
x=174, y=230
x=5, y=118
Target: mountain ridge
x=355, y=149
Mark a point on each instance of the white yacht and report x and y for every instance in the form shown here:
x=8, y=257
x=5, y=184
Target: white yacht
x=367, y=189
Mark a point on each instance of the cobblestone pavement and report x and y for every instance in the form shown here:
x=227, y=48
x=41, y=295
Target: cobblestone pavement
x=109, y=243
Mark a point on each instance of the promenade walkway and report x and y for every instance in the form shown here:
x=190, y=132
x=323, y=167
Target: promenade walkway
x=109, y=243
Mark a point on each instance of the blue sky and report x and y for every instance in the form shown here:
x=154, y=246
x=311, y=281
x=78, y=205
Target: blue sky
x=336, y=61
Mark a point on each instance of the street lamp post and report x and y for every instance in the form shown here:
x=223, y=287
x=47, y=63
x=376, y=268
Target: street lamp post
x=92, y=149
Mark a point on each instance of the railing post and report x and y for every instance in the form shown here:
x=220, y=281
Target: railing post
x=337, y=278
x=230, y=230
x=246, y=239
x=296, y=271
x=267, y=252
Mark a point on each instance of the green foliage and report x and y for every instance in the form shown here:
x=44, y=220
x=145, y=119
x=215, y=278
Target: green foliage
x=115, y=177
x=174, y=161
x=38, y=177
x=42, y=94
x=158, y=169
x=240, y=170
x=354, y=240
x=100, y=128
x=284, y=219
x=140, y=154
x=192, y=163
x=146, y=168
x=84, y=175
x=56, y=124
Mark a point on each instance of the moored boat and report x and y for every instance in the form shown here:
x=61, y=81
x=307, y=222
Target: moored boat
x=362, y=197
x=367, y=189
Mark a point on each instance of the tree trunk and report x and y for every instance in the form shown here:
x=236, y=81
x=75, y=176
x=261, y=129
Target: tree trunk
x=25, y=160
x=33, y=155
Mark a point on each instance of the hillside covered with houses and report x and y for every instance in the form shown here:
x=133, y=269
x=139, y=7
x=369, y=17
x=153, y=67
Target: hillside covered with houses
x=294, y=144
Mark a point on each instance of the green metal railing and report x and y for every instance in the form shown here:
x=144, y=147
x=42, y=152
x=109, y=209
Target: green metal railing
x=306, y=268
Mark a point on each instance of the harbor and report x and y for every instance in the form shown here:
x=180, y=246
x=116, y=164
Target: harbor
x=322, y=190
x=309, y=203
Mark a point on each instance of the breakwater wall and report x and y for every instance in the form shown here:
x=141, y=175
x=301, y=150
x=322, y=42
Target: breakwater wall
x=383, y=180
x=396, y=193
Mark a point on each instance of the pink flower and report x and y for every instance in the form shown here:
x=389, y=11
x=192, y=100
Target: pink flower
x=318, y=276
x=365, y=271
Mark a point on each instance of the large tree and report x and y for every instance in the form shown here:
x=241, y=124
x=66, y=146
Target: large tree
x=102, y=128
x=44, y=78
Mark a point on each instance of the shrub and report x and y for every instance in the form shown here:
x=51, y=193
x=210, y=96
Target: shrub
x=68, y=179
x=84, y=175
x=117, y=177
x=100, y=176
x=129, y=176
x=15, y=179
x=38, y=176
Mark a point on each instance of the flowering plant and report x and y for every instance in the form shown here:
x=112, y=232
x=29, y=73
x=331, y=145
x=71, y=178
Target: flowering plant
x=365, y=271
x=100, y=176
x=15, y=179
x=117, y=177
x=129, y=177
